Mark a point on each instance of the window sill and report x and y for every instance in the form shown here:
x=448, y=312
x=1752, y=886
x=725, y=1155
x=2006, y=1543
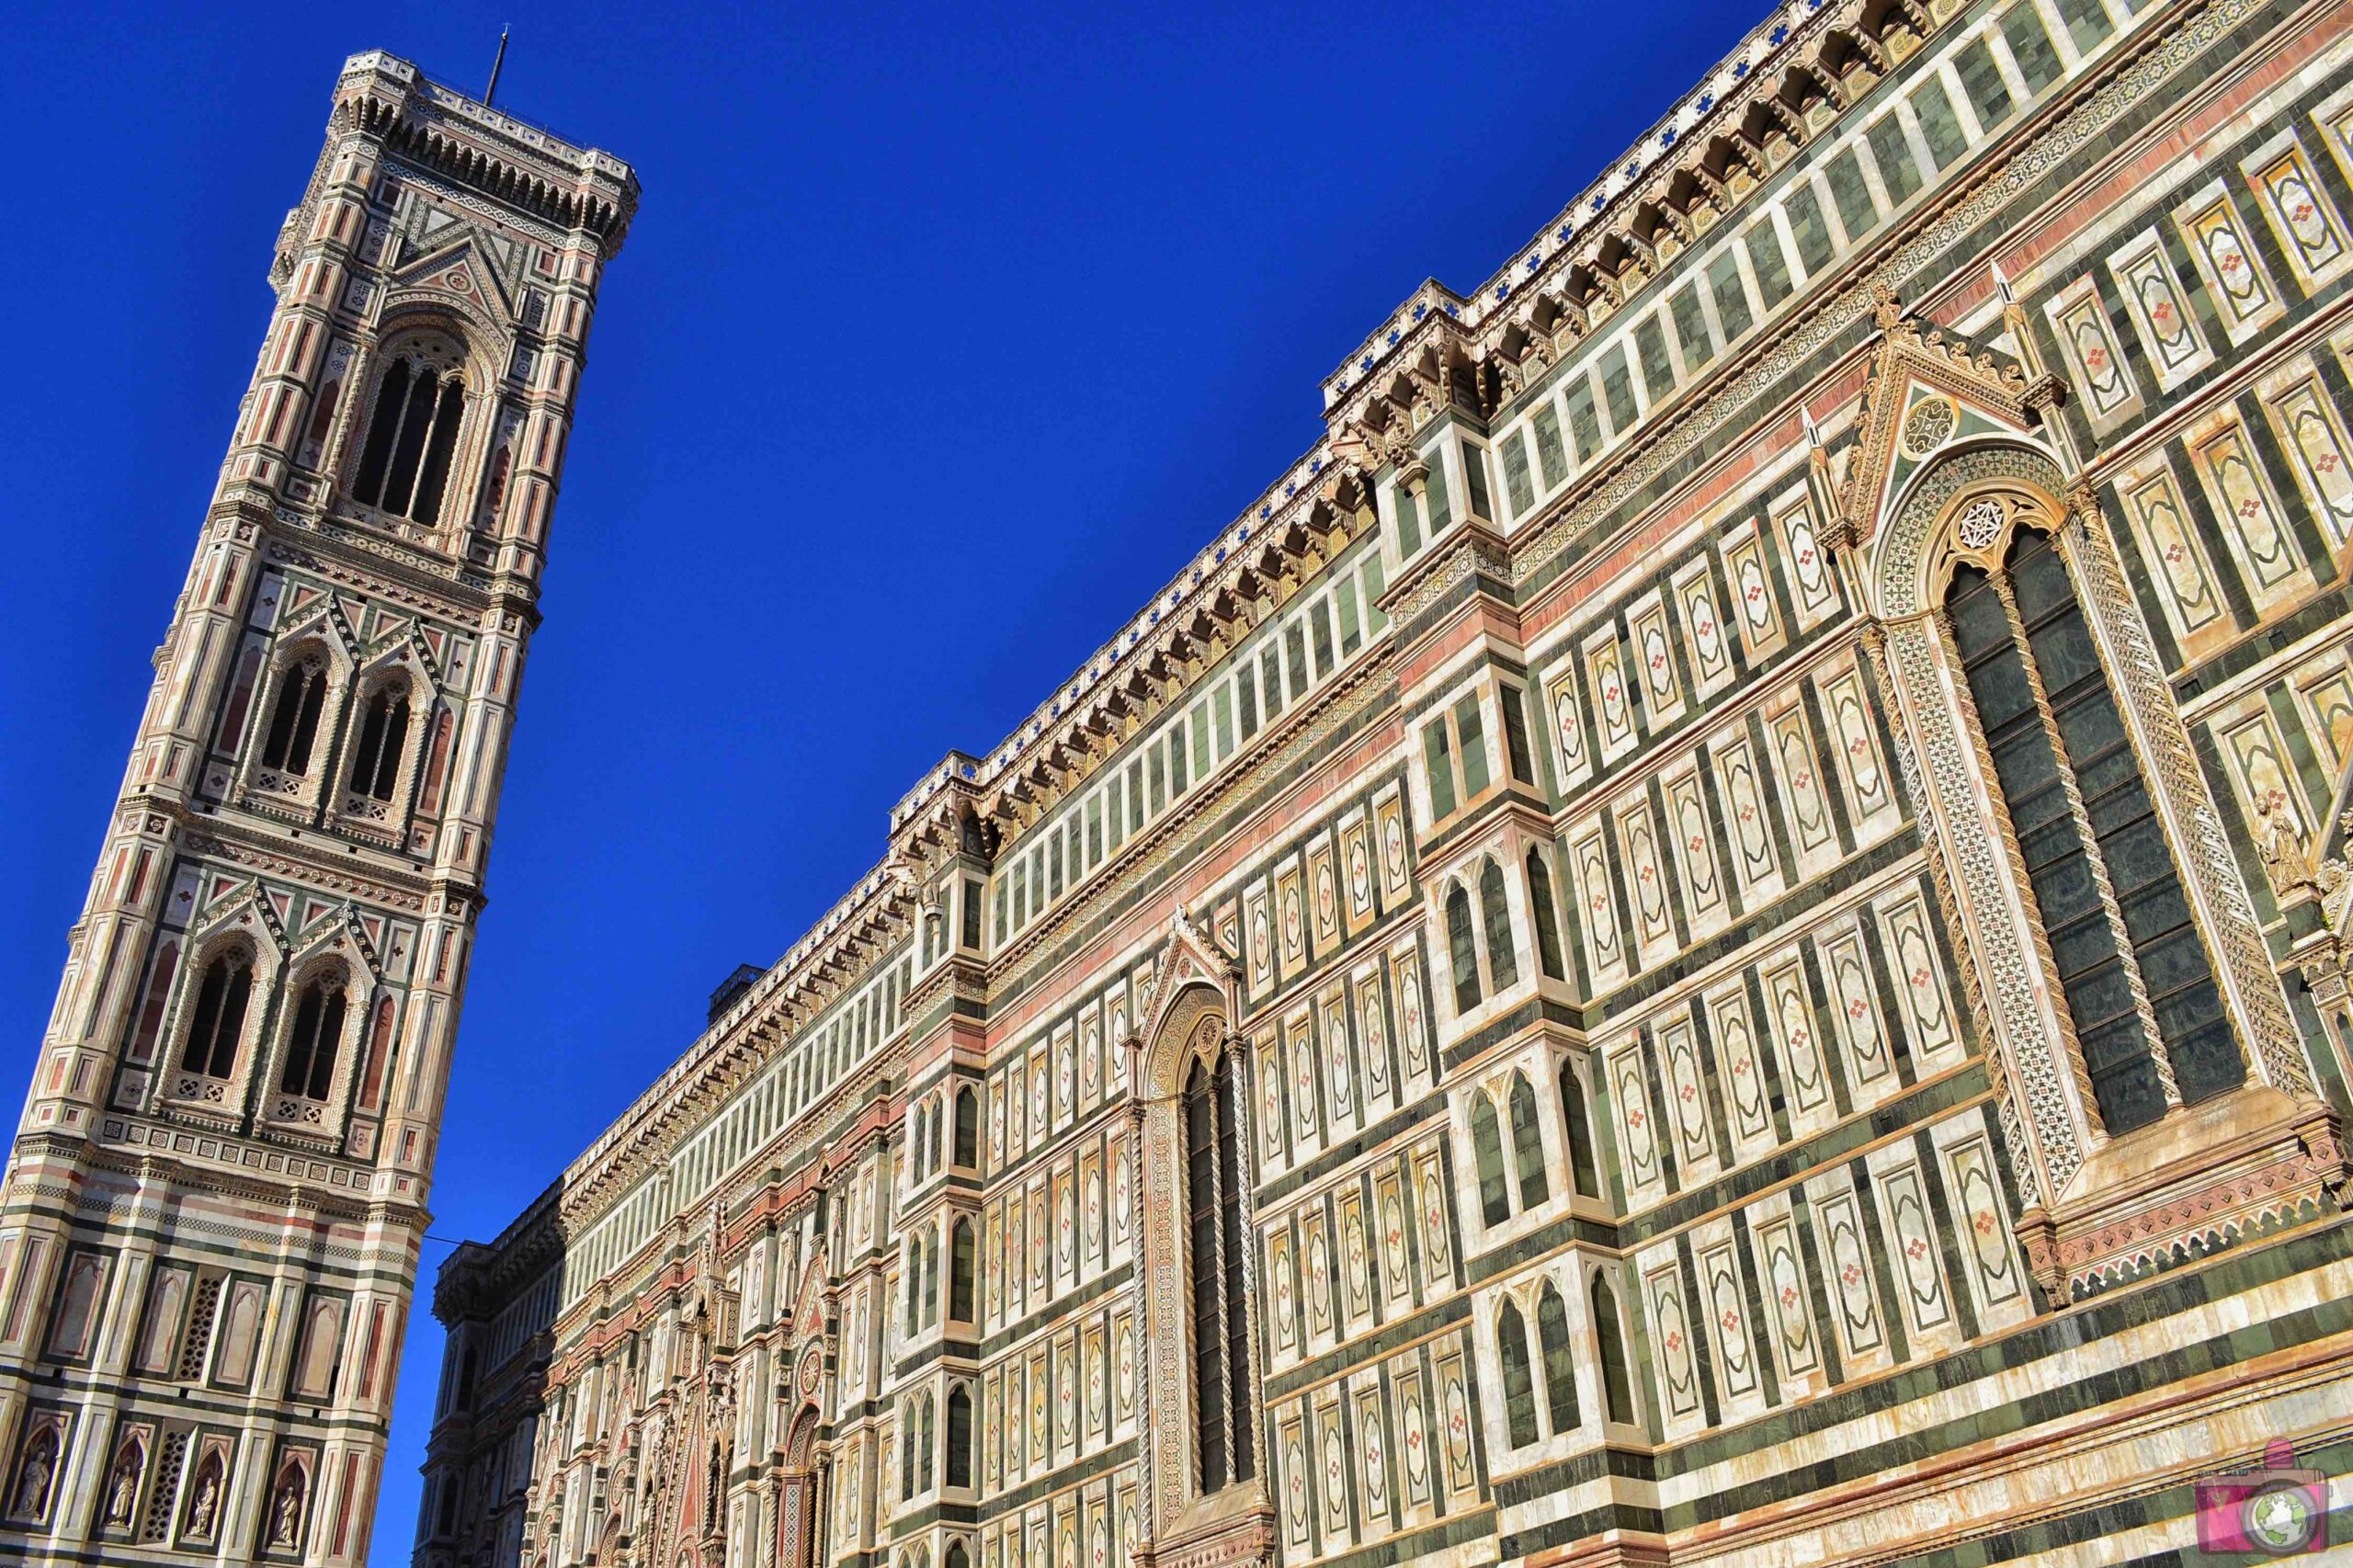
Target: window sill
x=2195, y=1181
x=1236, y=1509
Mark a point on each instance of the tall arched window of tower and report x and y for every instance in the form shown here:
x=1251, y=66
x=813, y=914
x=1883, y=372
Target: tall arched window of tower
x=383, y=733
x=216, y=1025
x=294, y=722
x=412, y=428
x=313, y=1043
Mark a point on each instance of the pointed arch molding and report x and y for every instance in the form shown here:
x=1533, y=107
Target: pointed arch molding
x=2223, y=1167
x=1188, y=1013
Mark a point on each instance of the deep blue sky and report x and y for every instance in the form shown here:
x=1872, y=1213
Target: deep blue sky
x=946, y=333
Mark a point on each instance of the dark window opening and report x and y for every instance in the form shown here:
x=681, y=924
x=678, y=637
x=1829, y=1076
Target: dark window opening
x=968, y=1129
x=1528, y=1144
x=960, y=1273
x=1559, y=1365
x=1487, y=1153
x=318, y=1031
x=405, y=464
x=1462, y=949
x=960, y=1450
x=1617, y=1389
x=1503, y=959
x=376, y=764
x=301, y=695
x=220, y=1003
x=1223, y=1446
x=1548, y=920
x=2106, y=887
x=1520, y=1382
x=1582, y=1172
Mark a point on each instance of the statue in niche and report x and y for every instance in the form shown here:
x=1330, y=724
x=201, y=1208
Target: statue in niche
x=286, y=1509
x=31, y=1500
x=206, y=1506
x=2279, y=843
x=122, y=1487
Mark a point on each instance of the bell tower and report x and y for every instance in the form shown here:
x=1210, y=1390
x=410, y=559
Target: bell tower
x=210, y=1220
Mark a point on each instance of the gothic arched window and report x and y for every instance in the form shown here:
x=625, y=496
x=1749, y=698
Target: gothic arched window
x=1547, y=919
x=220, y=1003
x=1560, y=1364
x=1503, y=959
x=1519, y=1380
x=311, y=1049
x=960, y=1445
x=925, y=1444
x=1487, y=1153
x=1616, y=1391
x=907, y=1449
x=375, y=761
x=1223, y=1446
x=960, y=1272
x=1463, y=950
x=968, y=1129
x=1526, y=1145
x=1582, y=1174
x=2133, y=971
x=405, y=466
x=294, y=723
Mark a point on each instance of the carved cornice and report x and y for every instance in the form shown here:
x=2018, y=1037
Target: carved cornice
x=357, y=1203
x=1565, y=280
x=1306, y=728
x=267, y=853
x=522, y=167
x=344, y=557
x=1933, y=237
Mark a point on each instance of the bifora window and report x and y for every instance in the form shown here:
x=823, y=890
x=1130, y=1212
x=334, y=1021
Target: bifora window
x=220, y=1003
x=2132, y=972
x=404, y=467
x=375, y=761
x=318, y=1026
x=294, y=724
x=1222, y=1437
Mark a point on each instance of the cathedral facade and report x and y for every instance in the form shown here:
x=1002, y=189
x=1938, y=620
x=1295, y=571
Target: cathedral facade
x=1716, y=932
x=209, y=1224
